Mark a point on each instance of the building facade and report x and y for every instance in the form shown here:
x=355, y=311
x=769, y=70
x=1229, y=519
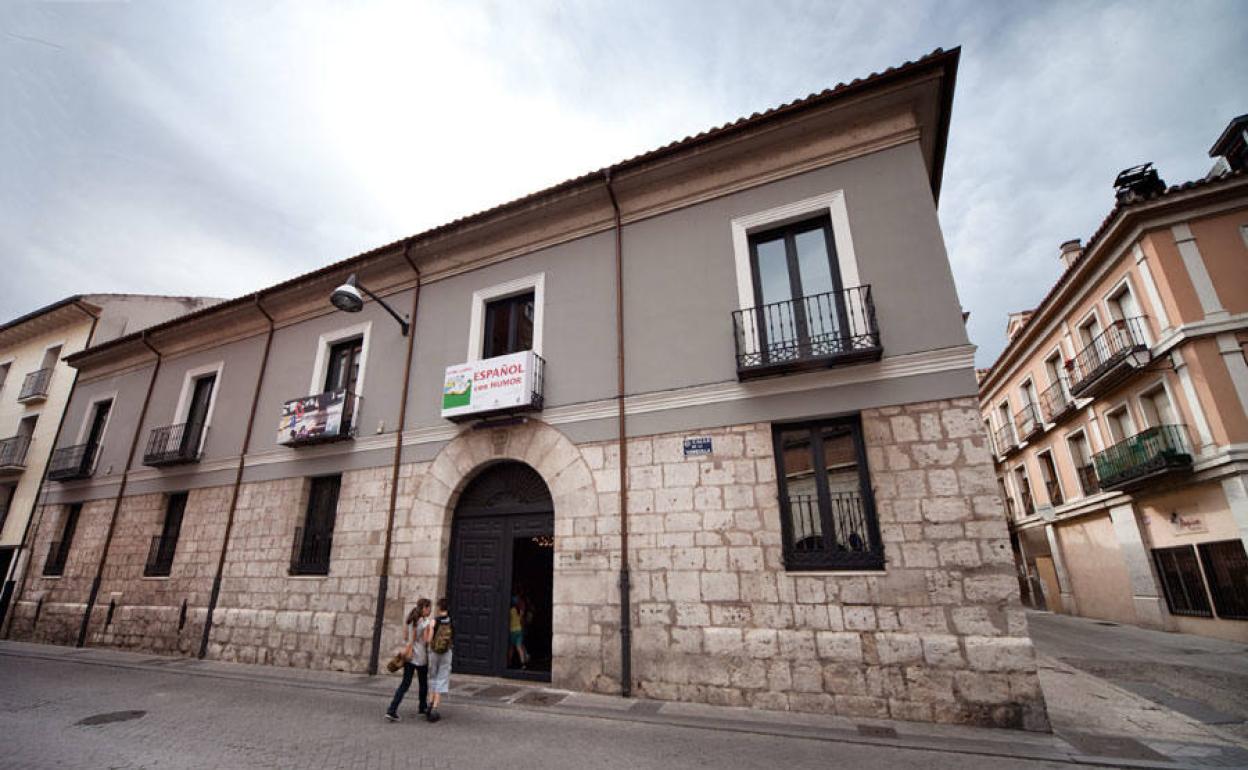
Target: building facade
x=1119, y=411
x=683, y=415
x=35, y=386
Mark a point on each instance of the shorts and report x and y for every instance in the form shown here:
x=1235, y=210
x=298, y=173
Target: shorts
x=439, y=672
x=517, y=638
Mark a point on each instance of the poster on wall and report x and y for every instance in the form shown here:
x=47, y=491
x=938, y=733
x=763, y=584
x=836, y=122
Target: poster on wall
x=312, y=418
x=502, y=382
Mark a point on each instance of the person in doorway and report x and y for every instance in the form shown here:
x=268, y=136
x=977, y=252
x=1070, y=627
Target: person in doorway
x=440, y=636
x=417, y=654
x=517, y=619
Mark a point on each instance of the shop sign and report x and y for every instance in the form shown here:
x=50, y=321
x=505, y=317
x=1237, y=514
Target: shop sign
x=312, y=418
x=697, y=446
x=502, y=382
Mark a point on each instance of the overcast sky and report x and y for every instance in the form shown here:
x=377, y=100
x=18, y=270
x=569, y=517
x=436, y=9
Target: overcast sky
x=213, y=148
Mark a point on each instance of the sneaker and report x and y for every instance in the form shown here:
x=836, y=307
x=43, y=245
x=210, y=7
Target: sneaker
x=423, y=709
x=391, y=716
x=433, y=715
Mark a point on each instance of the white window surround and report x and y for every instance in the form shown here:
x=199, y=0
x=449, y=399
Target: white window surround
x=476, y=328
x=1057, y=474
x=831, y=203
x=328, y=340
x=1126, y=287
x=1084, y=322
x=188, y=387
x=1148, y=390
x=89, y=415
x=1124, y=408
x=1072, y=438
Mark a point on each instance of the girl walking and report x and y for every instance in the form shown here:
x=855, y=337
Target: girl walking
x=440, y=635
x=417, y=653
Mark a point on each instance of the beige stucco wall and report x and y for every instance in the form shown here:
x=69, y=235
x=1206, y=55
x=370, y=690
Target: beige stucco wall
x=1101, y=585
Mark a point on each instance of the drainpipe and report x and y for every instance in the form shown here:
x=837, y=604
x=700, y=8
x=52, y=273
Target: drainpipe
x=626, y=623
x=238, y=481
x=121, y=493
x=383, y=584
x=56, y=439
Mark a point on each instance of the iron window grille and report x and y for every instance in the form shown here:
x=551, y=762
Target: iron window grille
x=35, y=386
x=72, y=462
x=13, y=453
x=1101, y=358
x=174, y=444
x=1148, y=454
x=1181, y=581
x=808, y=332
x=827, y=511
x=309, y=554
x=1226, y=570
x=161, y=552
x=1055, y=401
x=58, y=555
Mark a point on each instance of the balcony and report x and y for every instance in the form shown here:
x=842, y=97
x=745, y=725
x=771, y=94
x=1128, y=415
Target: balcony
x=160, y=556
x=174, y=444
x=35, y=386
x=318, y=419
x=509, y=384
x=72, y=462
x=309, y=555
x=13, y=454
x=1110, y=358
x=1087, y=479
x=58, y=555
x=1027, y=421
x=1056, y=402
x=1005, y=440
x=1144, y=457
x=815, y=332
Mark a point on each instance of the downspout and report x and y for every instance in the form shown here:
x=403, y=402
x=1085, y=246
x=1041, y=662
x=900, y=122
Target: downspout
x=383, y=584
x=56, y=439
x=238, y=481
x=121, y=493
x=626, y=623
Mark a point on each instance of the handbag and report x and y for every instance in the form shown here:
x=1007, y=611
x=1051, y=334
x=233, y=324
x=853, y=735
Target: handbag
x=400, y=658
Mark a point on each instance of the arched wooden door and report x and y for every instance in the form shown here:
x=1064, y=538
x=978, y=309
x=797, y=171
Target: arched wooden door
x=502, y=546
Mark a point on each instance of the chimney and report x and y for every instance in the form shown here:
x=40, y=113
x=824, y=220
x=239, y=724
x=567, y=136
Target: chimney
x=1071, y=251
x=1138, y=183
x=1232, y=146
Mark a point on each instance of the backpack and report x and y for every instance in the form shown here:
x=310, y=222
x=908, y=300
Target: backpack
x=443, y=636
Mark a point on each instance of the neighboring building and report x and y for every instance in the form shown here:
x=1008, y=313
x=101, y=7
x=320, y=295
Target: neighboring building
x=808, y=518
x=1120, y=411
x=35, y=387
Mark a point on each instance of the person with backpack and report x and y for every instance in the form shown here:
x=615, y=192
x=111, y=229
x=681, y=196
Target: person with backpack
x=416, y=653
x=441, y=637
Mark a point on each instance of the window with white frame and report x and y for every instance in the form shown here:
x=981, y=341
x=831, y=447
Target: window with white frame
x=1049, y=476
x=1024, y=490
x=1081, y=458
x=1156, y=407
x=1118, y=421
x=507, y=318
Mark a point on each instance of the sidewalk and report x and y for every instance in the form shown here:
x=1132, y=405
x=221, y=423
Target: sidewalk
x=1097, y=724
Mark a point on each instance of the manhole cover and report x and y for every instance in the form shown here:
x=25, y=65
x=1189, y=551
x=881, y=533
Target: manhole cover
x=1117, y=746
x=538, y=698
x=875, y=731
x=498, y=691
x=112, y=716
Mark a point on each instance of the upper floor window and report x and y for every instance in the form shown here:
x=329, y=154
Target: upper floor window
x=509, y=325
x=4, y=372
x=342, y=369
x=827, y=512
x=314, y=540
x=1157, y=409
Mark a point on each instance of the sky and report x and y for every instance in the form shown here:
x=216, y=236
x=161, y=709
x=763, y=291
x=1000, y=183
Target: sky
x=213, y=148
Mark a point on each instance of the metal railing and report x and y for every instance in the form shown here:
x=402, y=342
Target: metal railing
x=849, y=543
x=820, y=329
x=1054, y=491
x=1087, y=479
x=174, y=444
x=35, y=386
x=1147, y=454
x=1005, y=439
x=72, y=462
x=160, y=556
x=1055, y=400
x=13, y=453
x=329, y=416
x=309, y=554
x=1106, y=351
x=58, y=554
x=1027, y=421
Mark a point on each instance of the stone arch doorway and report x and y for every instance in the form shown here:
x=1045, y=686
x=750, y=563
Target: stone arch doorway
x=502, y=558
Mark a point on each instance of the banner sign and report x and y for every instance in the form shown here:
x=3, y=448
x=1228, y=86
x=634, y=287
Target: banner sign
x=503, y=382
x=312, y=418
x=697, y=446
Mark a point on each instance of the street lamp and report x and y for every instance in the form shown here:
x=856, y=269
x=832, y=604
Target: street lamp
x=348, y=299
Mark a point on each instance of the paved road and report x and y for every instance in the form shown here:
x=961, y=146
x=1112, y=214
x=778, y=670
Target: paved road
x=1206, y=679
x=203, y=721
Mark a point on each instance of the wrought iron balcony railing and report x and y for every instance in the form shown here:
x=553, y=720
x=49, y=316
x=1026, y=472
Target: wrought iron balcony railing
x=174, y=444
x=1056, y=401
x=1087, y=479
x=13, y=453
x=160, y=556
x=811, y=332
x=1151, y=453
x=1110, y=357
x=1027, y=421
x=318, y=419
x=72, y=462
x=309, y=554
x=1005, y=440
x=1054, y=491
x=35, y=386
x=58, y=554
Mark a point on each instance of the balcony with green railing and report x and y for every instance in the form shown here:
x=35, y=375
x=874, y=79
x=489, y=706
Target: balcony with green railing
x=1145, y=457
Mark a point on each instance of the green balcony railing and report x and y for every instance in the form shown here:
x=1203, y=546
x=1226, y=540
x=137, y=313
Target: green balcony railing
x=1145, y=455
